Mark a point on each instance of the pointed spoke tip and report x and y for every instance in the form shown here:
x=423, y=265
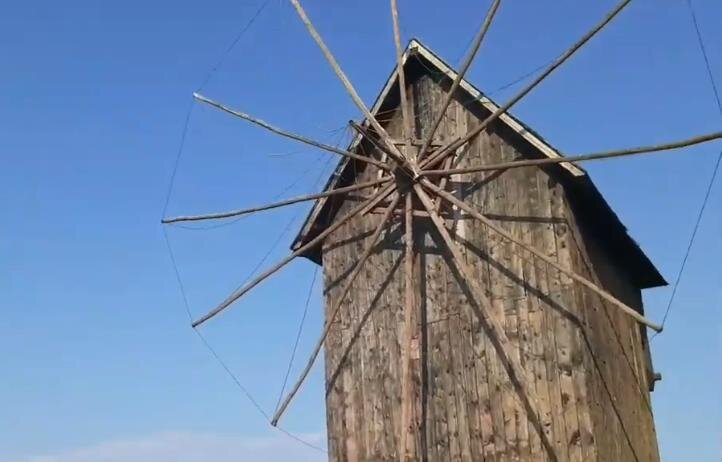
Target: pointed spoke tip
x=580, y=158
x=288, y=134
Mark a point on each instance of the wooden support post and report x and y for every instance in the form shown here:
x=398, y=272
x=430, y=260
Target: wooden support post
x=287, y=134
x=335, y=309
x=554, y=66
x=409, y=427
x=294, y=200
x=460, y=76
x=495, y=331
x=309, y=245
x=580, y=279
x=584, y=157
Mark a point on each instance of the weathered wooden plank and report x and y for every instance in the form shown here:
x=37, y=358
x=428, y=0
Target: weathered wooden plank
x=466, y=406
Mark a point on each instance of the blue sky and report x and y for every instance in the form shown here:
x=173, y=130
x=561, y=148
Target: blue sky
x=99, y=362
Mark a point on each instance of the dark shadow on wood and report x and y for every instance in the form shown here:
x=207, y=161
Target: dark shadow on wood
x=391, y=241
x=470, y=187
x=505, y=361
x=595, y=361
x=563, y=311
x=372, y=306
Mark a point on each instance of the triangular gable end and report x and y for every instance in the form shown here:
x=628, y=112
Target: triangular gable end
x=320, y=215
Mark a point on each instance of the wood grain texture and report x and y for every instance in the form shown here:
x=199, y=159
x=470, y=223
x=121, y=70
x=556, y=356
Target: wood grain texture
x=586, y=362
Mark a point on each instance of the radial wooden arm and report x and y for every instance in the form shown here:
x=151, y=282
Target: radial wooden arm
x=460, y=76
x=287, y=134
x=406, y=112
x=351, y=90
x=309, y=245
x=584, y=157
x=554, y=66
x=495, y=330
x=335, y=309
x=580, y=279
x=273, y=205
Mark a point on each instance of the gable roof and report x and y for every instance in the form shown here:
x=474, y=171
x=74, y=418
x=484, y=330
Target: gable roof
x=599, y=211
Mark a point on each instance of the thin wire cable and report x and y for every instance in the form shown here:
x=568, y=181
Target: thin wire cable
x=524, y=76
x=715, y=170
x=171, y=254
x=233, y=44
x=181, y=146
x=218, y=358
x=186, y=304
x=298, y=339
x=237, y=219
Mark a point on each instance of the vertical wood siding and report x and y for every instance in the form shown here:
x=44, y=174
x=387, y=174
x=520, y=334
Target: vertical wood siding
x=585, y=359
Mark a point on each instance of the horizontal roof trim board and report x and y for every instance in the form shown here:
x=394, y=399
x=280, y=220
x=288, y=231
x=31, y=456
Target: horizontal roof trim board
x=578, y=180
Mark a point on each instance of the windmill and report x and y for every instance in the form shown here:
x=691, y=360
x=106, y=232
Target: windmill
x=483, y=301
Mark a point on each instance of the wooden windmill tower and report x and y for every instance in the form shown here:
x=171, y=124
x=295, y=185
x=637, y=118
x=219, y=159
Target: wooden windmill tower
x=483, y=302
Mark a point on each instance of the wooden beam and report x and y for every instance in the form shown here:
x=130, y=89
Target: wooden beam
x=374, y=140
x=584, y=157
x=460, y=75
x=294, y=200
x=406, y=112
x=554, y=66
x=580, y=279
x=287, y=134
x=269, y=272
x=335, y=309
x=351, y=90
x=408, y=397
x=495, y=330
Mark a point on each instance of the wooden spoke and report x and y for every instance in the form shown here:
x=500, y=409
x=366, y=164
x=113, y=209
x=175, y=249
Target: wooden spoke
x=363, y=131
x=444, y=179
x=336, y=308
x=585, y=157
x=294, y=200
x=287, y=134
x=309, y=245
x=350, y=88
x=408, y=396
x=460, y=76
x=495, y=330
x=406, y=112
x=580, y=279
x=554, y=66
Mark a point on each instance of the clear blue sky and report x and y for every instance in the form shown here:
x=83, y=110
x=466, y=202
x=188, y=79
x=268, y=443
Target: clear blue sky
x=98, y=359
